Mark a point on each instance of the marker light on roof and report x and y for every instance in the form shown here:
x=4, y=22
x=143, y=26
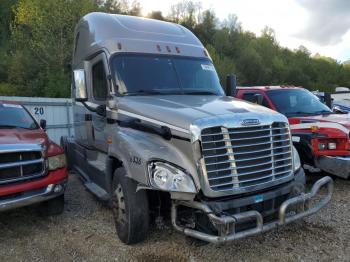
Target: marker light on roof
x=205, y=52
x=168, y=49
x=119, y=46
x=158, y=48
x=177, y=50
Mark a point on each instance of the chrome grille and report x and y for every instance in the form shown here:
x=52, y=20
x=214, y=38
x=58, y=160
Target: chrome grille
x=19, y=163
x=245, y=157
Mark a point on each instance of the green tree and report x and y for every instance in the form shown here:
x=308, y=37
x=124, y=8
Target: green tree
x=36, y=39
x=42, y=37
x=156, y=15
x=206, y=28
x=6, y=17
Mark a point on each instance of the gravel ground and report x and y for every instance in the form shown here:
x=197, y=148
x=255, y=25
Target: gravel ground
x=85, y=232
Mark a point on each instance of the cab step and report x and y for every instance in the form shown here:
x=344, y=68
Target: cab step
x=97, y=190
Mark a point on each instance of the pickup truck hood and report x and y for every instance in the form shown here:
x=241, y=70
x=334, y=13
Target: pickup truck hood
x=182, y=110
x=343, y=119
x=23, y=136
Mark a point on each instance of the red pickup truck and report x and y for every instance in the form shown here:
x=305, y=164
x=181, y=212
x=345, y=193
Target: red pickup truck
x=320, y=136
x=32, y=168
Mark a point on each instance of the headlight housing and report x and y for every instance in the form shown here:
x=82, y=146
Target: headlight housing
x=296, y=159
x=56, y=162
x=170, y=178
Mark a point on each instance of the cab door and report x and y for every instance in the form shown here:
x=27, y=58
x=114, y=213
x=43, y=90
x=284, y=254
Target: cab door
x=99, y=87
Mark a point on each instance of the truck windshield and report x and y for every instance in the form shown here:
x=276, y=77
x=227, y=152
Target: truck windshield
x=157, y=75
x=296, y=102
x=15, y=116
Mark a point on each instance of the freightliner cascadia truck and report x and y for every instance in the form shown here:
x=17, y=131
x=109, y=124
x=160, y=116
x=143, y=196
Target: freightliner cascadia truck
x=155, y=133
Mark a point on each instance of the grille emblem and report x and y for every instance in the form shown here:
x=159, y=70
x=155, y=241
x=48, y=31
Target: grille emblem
x=250, y=122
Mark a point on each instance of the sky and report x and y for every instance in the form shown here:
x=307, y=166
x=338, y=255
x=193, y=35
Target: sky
x=322, y=26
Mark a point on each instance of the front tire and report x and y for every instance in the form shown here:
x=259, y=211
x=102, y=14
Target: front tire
x=130, y=209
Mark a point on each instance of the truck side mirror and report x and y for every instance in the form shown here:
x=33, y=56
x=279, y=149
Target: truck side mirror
x=259, y=99
x=336, y=109
x=328, y=99
x=80, y=85
x=231, y=85
x=42, y=124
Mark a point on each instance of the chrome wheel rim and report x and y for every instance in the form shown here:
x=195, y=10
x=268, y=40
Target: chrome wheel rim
x=119, y=209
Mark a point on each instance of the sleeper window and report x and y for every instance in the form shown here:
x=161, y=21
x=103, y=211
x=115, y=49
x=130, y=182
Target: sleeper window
x=99, y=81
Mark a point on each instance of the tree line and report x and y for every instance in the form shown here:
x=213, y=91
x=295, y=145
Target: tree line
x=36, y=39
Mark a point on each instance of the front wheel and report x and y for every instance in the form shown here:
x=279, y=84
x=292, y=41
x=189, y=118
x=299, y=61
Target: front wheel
x=130, y=209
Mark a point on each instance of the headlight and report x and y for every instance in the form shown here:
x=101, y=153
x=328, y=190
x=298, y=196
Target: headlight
x=169, y=178
x=332, y=146
x=296, y=159
x=322, y=146
x=56, y=162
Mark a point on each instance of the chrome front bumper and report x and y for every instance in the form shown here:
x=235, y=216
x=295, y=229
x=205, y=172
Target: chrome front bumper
x=225, y=224
x=335, y=165
x=32, y=197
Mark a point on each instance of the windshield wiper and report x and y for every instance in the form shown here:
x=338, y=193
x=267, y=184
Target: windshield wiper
x=200, y=93
x=308, y=113
x=10, y=126
x=143, y=92
x=323, y=112
x=298, y=113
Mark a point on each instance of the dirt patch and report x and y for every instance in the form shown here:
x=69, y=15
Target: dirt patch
x=85, y=232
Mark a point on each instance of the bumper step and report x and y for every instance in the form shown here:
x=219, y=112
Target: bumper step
x=226, y=224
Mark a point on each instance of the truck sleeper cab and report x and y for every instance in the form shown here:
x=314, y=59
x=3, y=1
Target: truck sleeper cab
x=155, y=131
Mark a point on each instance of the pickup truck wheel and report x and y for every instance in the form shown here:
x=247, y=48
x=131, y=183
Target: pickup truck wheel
x=130, y=209
x=52, y=207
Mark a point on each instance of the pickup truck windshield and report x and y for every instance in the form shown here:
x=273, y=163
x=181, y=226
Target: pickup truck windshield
x=297, y=102
x=157, y=75
x=15, y=116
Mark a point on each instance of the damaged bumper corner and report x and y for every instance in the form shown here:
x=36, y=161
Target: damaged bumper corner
x=225, y=224
x=335, y=165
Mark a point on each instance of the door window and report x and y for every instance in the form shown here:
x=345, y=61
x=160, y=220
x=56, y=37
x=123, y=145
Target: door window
x=99, y=81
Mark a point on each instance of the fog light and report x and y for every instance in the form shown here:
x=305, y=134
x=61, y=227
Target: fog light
x=321, y=146
x=332, y=146
x=58, y=189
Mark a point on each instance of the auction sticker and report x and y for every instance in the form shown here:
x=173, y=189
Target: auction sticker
x=208, y=67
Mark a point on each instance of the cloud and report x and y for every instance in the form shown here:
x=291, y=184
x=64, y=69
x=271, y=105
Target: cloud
x=328, y=20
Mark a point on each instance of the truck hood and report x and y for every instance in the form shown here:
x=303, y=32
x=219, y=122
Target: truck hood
x=23, y=136
x=343, y=119
x=182, y=110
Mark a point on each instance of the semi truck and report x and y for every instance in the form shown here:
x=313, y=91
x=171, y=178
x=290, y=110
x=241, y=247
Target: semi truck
x=155, y=133
x=320, y=135
x=32, y=167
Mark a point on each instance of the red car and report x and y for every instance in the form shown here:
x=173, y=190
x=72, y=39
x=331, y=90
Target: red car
x=32, y=168
x=320, y=136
